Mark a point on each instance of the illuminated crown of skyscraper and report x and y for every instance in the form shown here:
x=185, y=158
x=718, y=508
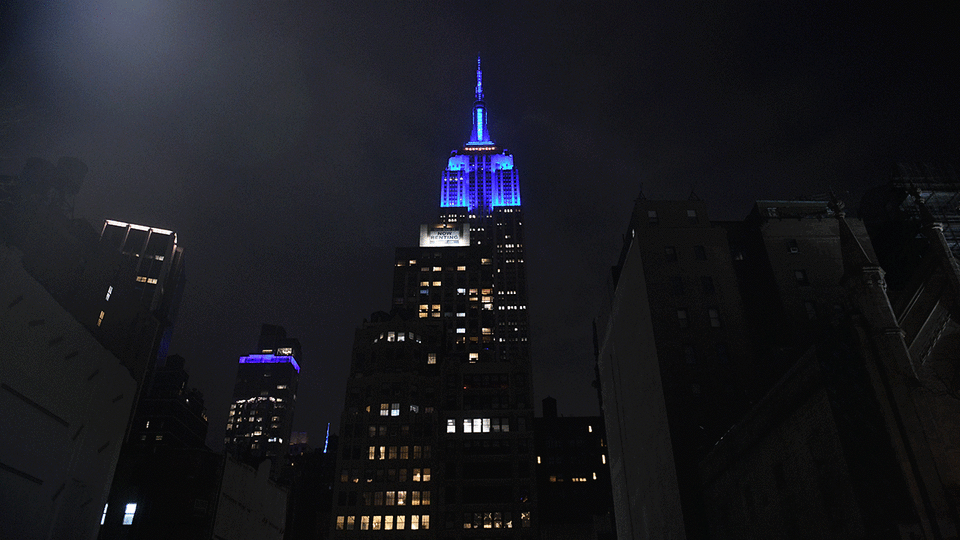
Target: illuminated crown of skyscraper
x=480, y=176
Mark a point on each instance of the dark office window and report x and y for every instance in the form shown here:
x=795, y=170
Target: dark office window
x=708, y=287
x=692, y=216
x=801, y=277
x=723, y=355
x=652, y=217
x=792, y=246
x=676, y=286
x=682, y=319
x=690, y=354
x=671, y=253
x=700, y=253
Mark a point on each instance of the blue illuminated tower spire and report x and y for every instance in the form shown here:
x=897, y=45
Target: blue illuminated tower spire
x=480, y=175
x=479, y=134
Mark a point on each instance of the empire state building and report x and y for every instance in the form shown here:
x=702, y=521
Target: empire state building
x=437, y=429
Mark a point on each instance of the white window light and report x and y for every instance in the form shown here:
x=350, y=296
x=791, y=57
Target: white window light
x=128, y=513
x=103, y=518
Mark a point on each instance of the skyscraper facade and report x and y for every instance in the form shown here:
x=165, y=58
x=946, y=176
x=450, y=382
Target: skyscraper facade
x=439, y=411
x=261, y=416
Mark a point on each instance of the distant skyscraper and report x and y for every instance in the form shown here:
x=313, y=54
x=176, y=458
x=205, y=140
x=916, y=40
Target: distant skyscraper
x=261, y=416
x=437, y=429
x=134, y=292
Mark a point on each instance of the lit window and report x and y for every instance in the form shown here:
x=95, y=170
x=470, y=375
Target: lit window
x=351, y=520
x=432, y=358
x=451, y=426
x=652, y=217
x=525, y=519
x=365, y=523
x=384, y=409
x=461, y=330
x=603, y=459
x=128, y=513
x=372, y=452
x=401, y=499
x=391, y=498
x=426, y=474
x=437, y=269
x=474, y=357
x=401, y=522
x=104, y=516
x=109, y=292
x=340, y=522
x=594, y=476
x=404, y=452
x=414, y=498
x=425, y=521
x=414, y=522
x=437, y=283
x=461, y=268
x=281, y=387
x=100, y=320
x=395, y=409
x=589, y=429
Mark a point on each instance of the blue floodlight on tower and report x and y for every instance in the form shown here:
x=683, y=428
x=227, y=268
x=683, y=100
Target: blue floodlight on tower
x=481, y=175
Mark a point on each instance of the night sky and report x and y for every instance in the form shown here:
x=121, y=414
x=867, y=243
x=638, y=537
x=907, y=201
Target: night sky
x=293, y=145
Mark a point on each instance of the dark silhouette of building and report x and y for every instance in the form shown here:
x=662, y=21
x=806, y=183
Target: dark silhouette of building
x=674, y=360
x=891, y=214
x=856, y=440
x=452, y=354
x=573, y=476
x=169, y=412
x=260, y=420
x=310, y=477
x=193, y=494
x=850, y=419
x=63, y=268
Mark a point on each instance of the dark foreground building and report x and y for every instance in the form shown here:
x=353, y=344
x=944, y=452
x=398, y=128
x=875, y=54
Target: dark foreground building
x=437, y=433
x=846, y=421
x=573, y=477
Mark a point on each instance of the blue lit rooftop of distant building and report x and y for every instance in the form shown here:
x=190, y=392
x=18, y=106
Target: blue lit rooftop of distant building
x=270, y=359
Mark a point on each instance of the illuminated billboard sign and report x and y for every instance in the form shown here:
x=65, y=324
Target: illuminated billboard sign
x=445, y=235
